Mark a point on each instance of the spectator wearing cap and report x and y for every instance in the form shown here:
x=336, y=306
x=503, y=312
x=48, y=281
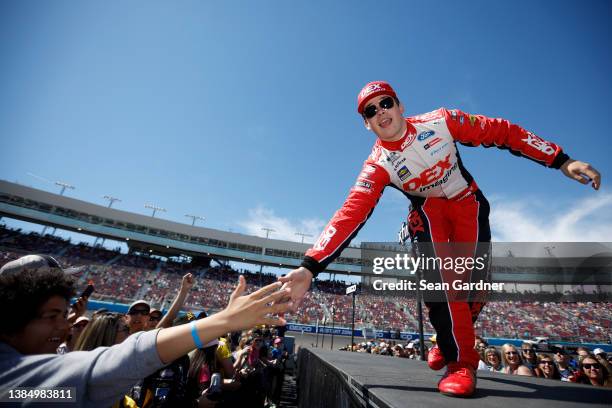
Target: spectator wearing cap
x=562, y=361
x=75, y=331
x=279, y=355
x=513, y=364
x=594, y=372
x=599, y=352
x=547, y=367
x=278, y=347
x=138, y=316
x=34, y=301
x=44, y=263
x=409, y=351
x=36, y=292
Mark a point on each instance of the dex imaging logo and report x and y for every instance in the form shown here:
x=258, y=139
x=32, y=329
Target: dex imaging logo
x=372, y=88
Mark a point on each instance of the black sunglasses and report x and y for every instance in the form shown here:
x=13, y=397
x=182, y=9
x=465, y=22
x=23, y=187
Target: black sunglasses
x=510, y=353
x=596, y=366
x=143, y=312
x=386, y=103
x=546, y=362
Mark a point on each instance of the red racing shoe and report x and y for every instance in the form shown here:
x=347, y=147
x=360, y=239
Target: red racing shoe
x=458, y=381
x=435, y=359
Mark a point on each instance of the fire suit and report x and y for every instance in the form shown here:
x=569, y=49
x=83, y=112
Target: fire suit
x=446, y=203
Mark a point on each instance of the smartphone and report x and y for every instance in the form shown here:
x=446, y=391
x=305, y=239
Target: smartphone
x=88, y=291
x=214, y=391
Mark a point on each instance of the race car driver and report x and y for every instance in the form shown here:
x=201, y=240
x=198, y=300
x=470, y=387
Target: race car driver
x=418, y=156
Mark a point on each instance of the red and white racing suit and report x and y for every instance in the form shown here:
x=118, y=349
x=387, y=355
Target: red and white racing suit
x=446, y=203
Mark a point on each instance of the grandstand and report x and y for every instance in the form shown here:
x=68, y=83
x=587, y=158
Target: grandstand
x=122, y=278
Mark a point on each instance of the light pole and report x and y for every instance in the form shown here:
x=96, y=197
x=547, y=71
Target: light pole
x=111, y=201
x=154, y=208
x=303, y=235
x=194, y=218
x=268, y=231
x=64, y=186
x=263, y=253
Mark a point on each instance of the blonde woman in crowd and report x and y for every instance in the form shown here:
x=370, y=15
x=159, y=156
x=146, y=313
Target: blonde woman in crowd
x=513, y=364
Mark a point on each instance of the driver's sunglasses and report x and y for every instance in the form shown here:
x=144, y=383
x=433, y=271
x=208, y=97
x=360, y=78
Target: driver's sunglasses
x=370, y=111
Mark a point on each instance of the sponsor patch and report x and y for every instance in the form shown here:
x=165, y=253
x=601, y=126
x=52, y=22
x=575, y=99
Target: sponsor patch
x=325, y=237
x=363, y=184
x=425, y=135
x=404, y=173
x=539, y=144
x=438, y=149
x=473, y=119
x=432, y=143
x=371, y=88
x=399, y=163
x=408, y=141
x=426, y=117
x=369, y=169
x=393, y=157
x=430, y=175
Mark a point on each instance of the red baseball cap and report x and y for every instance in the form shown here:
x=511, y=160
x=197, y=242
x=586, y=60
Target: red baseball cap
x=371, y=90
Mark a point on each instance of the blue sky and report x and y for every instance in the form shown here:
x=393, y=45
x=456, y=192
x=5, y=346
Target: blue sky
x=244, y=112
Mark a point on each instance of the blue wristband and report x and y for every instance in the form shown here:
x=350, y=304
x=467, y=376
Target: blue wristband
x=194, y=335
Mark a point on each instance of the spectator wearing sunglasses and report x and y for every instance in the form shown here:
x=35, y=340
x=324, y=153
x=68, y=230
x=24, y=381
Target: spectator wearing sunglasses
x=547, y=367
x=155, y=316
x=137, y=317
x=594, y=372
x=29, y=336
x=513, y=363
x=419, y=157
x=528, y=355
x=562, y=360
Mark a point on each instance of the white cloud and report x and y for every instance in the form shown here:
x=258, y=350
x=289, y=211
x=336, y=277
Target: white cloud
x=284, y=228
x=584, y=220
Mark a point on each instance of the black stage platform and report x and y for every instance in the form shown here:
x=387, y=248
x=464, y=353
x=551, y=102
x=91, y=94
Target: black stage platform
x=343, y=379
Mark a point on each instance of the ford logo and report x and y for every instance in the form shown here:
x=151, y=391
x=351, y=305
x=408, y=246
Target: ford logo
x=424, y=135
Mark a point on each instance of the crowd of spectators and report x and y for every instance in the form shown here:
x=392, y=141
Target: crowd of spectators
x=585, y=366
x=142, y=358
x=124, y=277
